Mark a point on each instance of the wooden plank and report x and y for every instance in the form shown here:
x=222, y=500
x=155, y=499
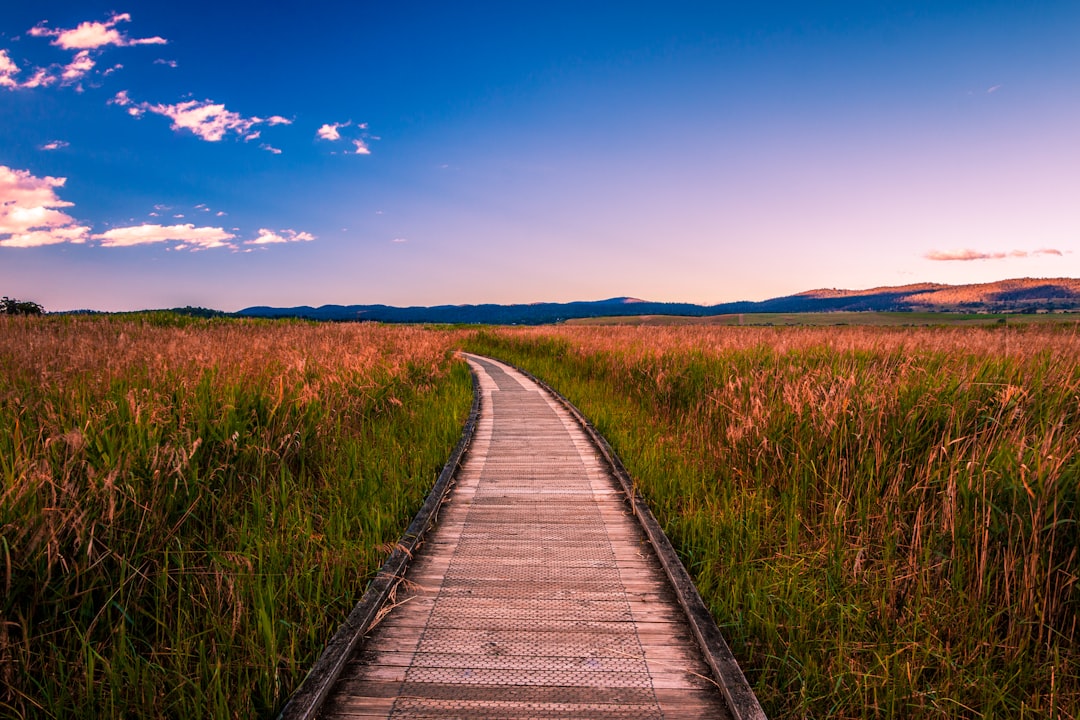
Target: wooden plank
x=537, y=594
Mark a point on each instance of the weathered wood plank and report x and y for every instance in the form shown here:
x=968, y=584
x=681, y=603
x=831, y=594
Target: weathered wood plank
x=538, y=594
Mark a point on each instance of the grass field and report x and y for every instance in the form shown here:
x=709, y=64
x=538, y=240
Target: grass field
x=883, y=521
x=189, y=507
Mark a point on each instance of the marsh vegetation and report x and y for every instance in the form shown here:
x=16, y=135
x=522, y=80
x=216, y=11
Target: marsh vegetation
x=883, y=521
x=189, y=507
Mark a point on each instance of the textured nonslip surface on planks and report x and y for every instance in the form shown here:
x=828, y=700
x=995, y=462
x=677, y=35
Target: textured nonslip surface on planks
x=536, y=596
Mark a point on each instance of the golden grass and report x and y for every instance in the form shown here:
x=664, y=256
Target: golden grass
x=883, y=520
x=189, y=508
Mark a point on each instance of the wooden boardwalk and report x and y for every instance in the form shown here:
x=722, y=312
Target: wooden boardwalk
x=536, y=595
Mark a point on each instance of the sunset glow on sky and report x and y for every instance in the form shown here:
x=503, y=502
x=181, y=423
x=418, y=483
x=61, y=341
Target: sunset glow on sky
x=225, y=155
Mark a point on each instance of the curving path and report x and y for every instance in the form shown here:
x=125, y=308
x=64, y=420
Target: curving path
x=535, y=596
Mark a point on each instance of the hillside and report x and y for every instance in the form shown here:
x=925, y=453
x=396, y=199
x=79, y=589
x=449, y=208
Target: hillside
x=1024, y=295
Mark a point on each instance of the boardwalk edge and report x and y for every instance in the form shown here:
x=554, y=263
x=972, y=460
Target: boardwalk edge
x=307, y=699
x=740, y=697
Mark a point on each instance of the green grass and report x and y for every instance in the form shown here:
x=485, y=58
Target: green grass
x=189, y=508
x=883, y=522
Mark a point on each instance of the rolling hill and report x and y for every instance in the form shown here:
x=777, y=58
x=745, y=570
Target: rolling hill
x=1023, y=295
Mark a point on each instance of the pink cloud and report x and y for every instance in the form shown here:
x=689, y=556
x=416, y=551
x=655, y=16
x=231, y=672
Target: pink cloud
x=78, y=67
x=269, y=237
x=189, y=236
x=361, y=148
x=93, y=35
x=330, y=132
x=968, y=254
x=270, y=148
x=8, y=71
x=205, y=119
x=40, y=78
x=28, y=211
x=55, y=145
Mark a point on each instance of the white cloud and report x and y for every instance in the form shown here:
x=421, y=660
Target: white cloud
x=78, y=67
x=40, y=78
x=8, y=71
x=171, y=63
x=330, y=132
x=270, y=148
x=269, y=237
x=277, y=120
x=55, y=145
x=968, y=254
x=189, y=236
x=206, y=119
x=28, y=211
x=400, y=241
x=93, y=35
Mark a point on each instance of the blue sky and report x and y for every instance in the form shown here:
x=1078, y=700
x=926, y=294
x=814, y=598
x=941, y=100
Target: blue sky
x=162, y=154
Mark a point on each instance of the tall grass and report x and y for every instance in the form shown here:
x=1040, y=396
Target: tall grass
x=883, y=521
x=188, y=508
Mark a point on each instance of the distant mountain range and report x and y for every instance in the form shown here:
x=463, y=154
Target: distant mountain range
x=1008, y=296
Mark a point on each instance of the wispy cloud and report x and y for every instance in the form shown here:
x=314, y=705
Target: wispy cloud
x=55, y=145
x=78, y=67
x=93, y=35
x=270, y=148
x=170, y=63
x=9, y=72
x=86, y=40
x=968, y=254
x=28, y=211
x=187, y=235
x=205, y=119
x=271, y=237
x=330, y=132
